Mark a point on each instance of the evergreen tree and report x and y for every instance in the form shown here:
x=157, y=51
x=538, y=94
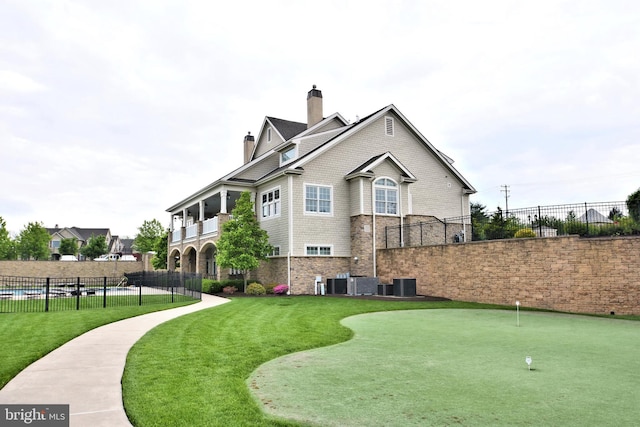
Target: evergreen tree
x=633, y=204
x=243, y=244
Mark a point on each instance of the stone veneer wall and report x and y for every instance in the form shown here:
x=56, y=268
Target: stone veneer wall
x=573, y=274
x=69, y=268
x=303, y=271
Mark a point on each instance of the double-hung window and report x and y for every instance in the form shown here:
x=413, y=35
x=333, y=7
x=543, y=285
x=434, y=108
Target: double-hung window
x=386, y=196
x=317, y=199
x=271, y=203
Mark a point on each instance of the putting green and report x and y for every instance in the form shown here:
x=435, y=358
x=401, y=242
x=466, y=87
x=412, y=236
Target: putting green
x=467, y=367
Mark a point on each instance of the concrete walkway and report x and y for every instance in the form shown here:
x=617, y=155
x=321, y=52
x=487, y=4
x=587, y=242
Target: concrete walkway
x=86, y=372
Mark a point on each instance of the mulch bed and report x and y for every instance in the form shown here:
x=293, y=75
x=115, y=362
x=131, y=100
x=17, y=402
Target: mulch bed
x=368, y=297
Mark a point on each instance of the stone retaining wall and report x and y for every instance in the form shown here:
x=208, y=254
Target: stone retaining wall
x=69, y=268
x=573, y=274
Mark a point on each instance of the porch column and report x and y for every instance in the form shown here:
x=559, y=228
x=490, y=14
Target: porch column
x=184, y=217
x=201, y=210
x=223, y=201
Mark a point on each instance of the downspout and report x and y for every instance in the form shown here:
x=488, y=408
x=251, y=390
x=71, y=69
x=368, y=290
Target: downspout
x=373, y=225
x=290, y=191
x=289, y=272
x=464, y=224
x=401, y=218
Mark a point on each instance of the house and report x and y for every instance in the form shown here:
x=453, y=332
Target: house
x=322, y=190
x=82, y=236
x=593, y=217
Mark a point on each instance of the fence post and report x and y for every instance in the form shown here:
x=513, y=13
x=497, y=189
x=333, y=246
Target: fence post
x=78, y=294
x=104, y=292
x=140, y=294
x=539, y=220
x=445, y=231
x=46, y=295
x=586, y=217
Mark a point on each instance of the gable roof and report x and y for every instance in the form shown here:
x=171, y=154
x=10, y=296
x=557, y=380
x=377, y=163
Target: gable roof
x=286, y=128
x=82, y=234
x=287, y=131
x=593, y=216
x=365, y=169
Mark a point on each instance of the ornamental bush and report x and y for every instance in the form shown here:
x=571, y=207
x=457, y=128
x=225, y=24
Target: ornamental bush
x=280, y=289
x=255, y=289
x=524, y=232
x=229, y=289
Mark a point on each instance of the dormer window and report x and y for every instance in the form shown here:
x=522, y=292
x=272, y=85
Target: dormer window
x=290, y=154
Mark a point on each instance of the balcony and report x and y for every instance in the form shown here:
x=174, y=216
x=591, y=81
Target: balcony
x=210, y=228
x=210, y=225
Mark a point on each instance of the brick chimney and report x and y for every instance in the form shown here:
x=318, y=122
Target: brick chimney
x=314, y=107
x=249, y=145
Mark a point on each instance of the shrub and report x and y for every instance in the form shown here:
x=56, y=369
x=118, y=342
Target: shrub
x=238, y=283
x=524, y=232
x=269, y=287
x=280, y=289
x=255, y=289
x=229, y=289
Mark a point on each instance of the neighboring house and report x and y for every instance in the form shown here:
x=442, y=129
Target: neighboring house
x=82, y=235
x=593, y=217
x=322, y=190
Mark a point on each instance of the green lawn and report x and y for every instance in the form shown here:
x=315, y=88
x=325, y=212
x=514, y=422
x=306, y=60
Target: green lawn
x=26, y=337
x=443, y=367
x=196, y=370
x=191, y=371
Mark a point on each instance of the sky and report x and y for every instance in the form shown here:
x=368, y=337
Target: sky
x=112, y=111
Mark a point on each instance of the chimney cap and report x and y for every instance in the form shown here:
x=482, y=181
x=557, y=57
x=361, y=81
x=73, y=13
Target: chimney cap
x=314, y=93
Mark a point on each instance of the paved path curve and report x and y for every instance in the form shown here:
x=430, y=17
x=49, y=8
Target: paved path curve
x=86, y=372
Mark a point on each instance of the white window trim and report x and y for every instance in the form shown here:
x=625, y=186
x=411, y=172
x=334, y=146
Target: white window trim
x=375, y=200
x=277, y=215
x=272, y=255
x=307, y=246
x=390, y=119
x=294, y=157
x=268, y=134
x=304, y=200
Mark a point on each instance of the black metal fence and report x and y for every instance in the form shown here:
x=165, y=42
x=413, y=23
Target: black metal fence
x=35, y=294
x=584, y=219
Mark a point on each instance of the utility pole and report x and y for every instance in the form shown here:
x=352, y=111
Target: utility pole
x=505, y=189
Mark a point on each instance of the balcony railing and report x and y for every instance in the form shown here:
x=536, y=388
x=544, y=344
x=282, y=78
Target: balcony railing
x=191, y=231
x=210, y=225
x=176, y=235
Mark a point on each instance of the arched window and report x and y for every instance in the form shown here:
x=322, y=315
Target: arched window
x=386, y=196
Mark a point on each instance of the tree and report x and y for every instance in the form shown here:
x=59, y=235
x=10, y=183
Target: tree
x=159, y=260
x=7, y=245
x=69, y=246
x=148, y=234
x=478, y=220
x=243, y=244
x=96, y=246
x=615, y=214
x=33, y=242
x=633, y=204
